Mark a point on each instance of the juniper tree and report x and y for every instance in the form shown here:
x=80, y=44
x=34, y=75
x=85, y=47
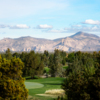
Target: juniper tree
x=8, y=54
x=56, y=65
x=11, y=82
x=83, y=79
x=33, y=64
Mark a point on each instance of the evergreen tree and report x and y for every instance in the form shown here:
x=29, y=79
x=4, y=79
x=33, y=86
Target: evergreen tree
x=46, y=53
x=70, y=57
x=83, y=78
x=45, y=59
x=8, y=54
x=23, y=57
x=33, y=64
x=64, y=61
x=11, y=82
x=56, y=65
x=17, y=55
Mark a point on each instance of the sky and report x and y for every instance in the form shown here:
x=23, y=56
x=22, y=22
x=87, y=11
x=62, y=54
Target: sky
x=49, y=19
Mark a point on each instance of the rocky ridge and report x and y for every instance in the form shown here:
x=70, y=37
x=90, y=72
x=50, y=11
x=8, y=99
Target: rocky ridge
x=79, y=41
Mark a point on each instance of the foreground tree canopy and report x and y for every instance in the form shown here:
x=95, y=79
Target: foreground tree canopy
x=11, y=82
x=83, y=77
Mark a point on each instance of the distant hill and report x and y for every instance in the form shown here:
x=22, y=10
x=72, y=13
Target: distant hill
x=79, y=41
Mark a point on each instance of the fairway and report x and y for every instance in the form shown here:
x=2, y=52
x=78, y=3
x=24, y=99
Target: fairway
x=33, y=85
x=37, y=87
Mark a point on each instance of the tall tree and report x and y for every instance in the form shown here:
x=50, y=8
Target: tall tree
x=45, y=59
x=17, y=55
x=56, y=66
x=46, y=53
x=11, y=82
x=8, y=54
x=33, y=64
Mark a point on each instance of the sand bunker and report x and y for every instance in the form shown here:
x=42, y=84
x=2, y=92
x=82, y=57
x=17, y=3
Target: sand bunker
x=53, y=96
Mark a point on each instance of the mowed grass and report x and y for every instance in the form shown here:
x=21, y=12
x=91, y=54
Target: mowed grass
x=33, y=85
x=49, y=84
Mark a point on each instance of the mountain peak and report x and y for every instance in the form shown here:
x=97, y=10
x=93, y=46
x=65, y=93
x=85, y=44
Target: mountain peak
x=80, y=32
x=80, y=35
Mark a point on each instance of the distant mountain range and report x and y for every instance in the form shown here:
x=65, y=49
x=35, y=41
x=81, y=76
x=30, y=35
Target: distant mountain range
x=79, y=41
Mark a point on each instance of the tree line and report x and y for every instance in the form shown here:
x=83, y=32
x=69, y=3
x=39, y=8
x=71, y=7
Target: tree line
x=82, y=74
x=34, y=63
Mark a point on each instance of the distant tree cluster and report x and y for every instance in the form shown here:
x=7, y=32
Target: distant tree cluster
x=34, y=63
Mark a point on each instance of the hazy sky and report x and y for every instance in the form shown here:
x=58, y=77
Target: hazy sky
x=48, y=18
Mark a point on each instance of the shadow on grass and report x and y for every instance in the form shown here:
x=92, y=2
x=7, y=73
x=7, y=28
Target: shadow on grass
x=29, y=78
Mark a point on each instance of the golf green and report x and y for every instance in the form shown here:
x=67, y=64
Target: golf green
x=33, y=85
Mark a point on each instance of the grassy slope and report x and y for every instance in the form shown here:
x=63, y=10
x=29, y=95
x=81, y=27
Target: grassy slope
x=49, y=83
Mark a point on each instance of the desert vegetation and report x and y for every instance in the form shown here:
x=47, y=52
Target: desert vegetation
x=68, y=76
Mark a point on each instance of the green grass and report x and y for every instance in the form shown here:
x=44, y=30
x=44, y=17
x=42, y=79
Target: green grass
x=47, y=69
x=33, y=85
x=65, y=67
x=49, y=83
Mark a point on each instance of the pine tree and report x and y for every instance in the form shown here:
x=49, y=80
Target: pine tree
x=33, y=64
x=8, y=54
x=56, y=65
